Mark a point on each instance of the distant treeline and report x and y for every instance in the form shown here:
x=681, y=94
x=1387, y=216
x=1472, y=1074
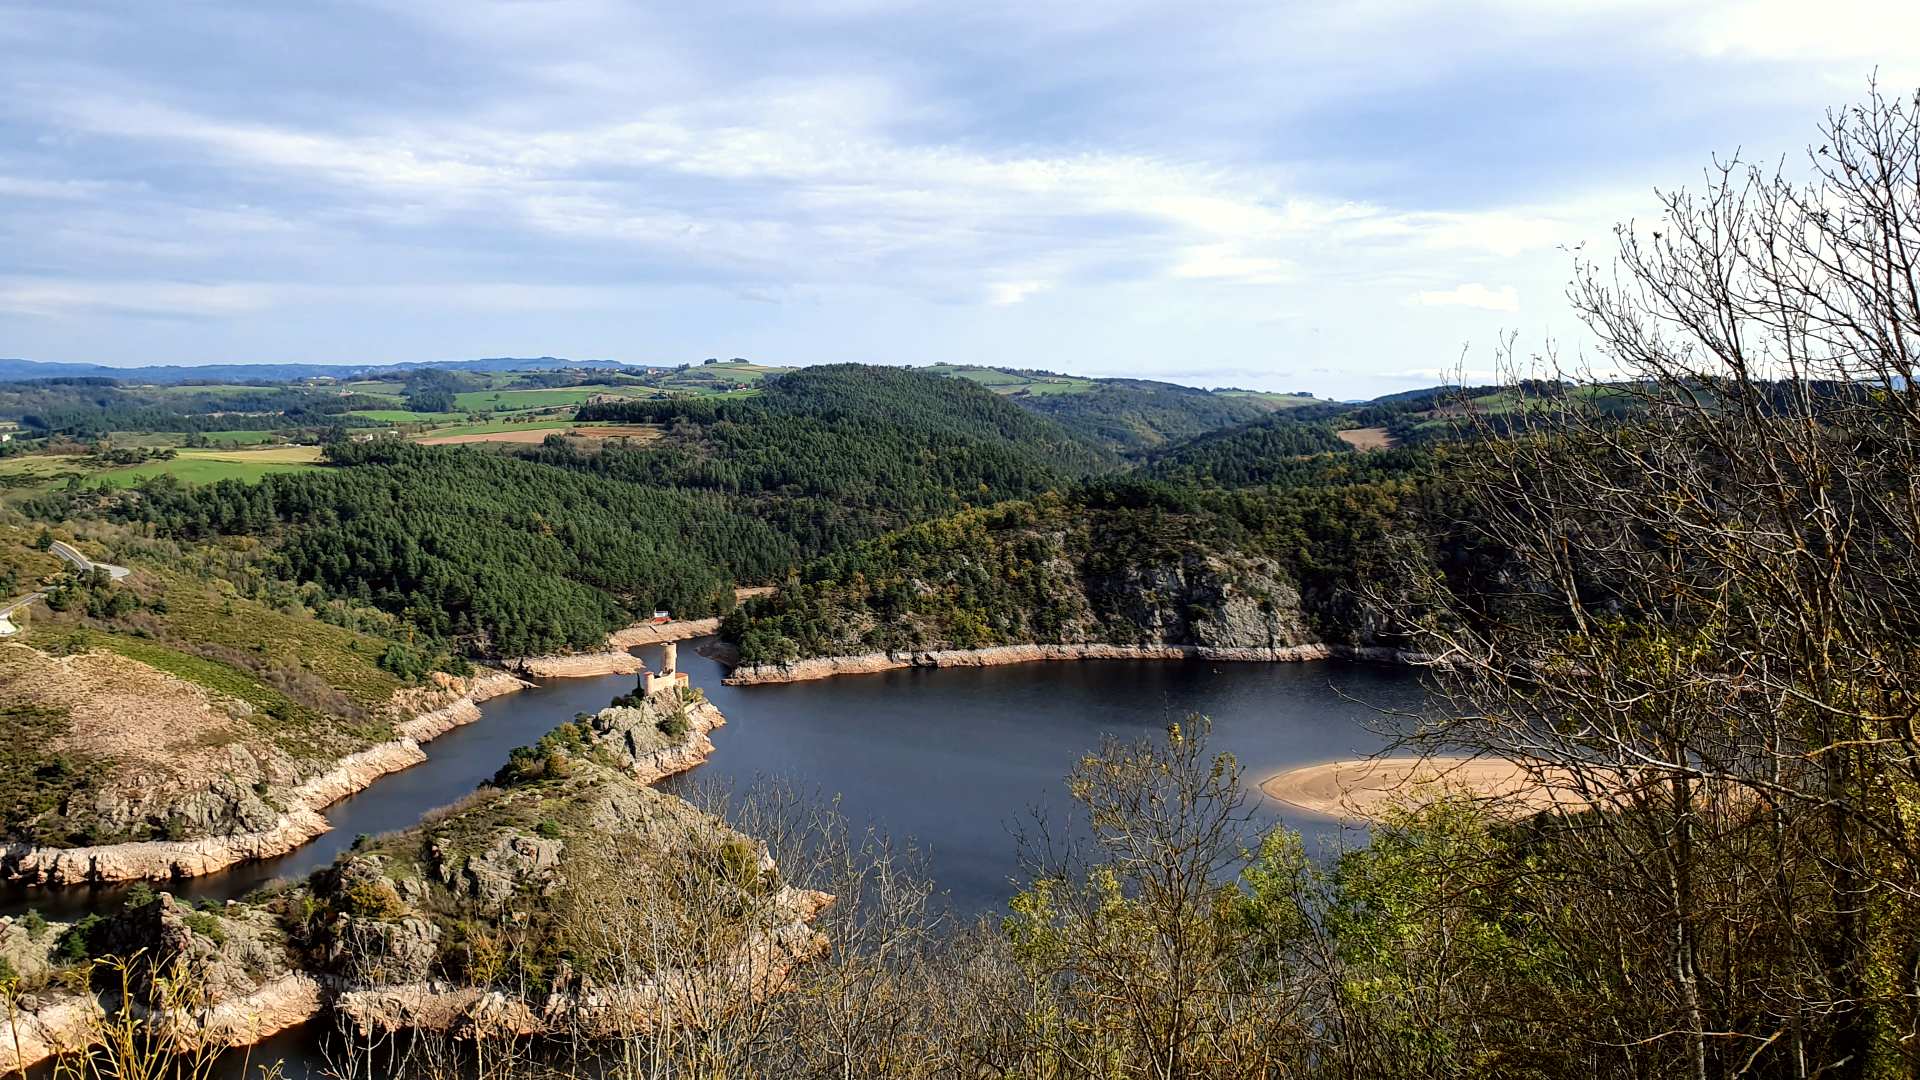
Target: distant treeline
x=90, y=407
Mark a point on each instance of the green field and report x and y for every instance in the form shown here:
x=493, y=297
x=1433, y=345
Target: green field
x=1013, y=382
x=1276, y=401
x=208, y=466
x=401, y=416
x=526, y=400
x=376, y=388
x=32, y=472
x=489, y=426
x=175, y=438
x=242, y=438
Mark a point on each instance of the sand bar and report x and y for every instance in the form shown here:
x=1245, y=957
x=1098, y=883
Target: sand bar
x=1363, y=789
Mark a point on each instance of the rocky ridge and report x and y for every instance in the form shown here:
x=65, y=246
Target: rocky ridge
x=429, y=713
x=376, y=938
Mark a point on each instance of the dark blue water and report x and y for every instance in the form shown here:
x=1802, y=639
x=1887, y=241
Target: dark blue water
x=951, y=760
x=958, y=760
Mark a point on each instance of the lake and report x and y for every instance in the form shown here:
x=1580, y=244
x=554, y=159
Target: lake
x=952, y=760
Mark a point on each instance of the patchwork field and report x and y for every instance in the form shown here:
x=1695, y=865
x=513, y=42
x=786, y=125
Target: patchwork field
x=399, y=416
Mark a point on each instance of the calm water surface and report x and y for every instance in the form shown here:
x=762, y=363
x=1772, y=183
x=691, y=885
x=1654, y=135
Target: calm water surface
x=952, y=761
x=958, y=759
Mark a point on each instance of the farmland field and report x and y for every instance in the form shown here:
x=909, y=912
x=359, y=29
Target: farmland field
x=517, y=400
x=400, y=416
x=39, y=470
x=533, y=433
x=208, y=466
x=1013, y=382
x=1275, y=400
x=1366, y=438
x=440, y=434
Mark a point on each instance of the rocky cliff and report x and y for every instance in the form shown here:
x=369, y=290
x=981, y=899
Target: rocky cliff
x=1226, y=574
x=271, y=822
x=193, y=979
x=826, y=667
x=514, y=911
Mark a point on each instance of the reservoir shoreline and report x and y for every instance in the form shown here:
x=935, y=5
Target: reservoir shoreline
x=827, y=667
x=301, y=822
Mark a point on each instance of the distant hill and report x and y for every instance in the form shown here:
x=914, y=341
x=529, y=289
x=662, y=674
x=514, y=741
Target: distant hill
x=1127, y=416
x=176, y=373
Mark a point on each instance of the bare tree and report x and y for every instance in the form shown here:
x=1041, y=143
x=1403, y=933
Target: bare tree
x=1705, y=607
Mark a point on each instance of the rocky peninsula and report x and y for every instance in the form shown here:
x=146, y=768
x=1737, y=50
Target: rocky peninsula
x=280, y=822
x=546, y=863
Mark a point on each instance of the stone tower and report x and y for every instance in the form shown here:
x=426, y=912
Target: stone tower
x=670, y=658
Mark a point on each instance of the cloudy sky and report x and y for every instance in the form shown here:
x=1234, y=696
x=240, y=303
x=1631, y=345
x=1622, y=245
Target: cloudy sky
x=1335, y=196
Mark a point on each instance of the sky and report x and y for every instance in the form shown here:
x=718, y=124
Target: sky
x=1349, y=197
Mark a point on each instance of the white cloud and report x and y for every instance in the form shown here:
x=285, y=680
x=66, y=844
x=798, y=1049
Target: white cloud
x=1008, y=293
x=1472, y=295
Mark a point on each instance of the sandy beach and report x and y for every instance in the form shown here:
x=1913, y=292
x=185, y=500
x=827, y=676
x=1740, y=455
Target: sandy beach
x=1363, y=789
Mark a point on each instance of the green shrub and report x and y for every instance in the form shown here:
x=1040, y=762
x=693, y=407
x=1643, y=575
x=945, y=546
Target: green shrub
x=549, y=829
x=739, y=860
x=207, y=925
x=371, y=897
x=548, y=759
x=676, y=725
x=34, y=923
x=77, y=944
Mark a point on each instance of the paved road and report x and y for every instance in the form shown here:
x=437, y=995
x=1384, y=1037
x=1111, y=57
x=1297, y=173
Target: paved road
x=80, y=562
x=83, y=564
x=7, y=628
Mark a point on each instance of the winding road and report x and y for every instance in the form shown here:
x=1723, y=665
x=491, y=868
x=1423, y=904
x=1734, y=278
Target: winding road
x=80, y=562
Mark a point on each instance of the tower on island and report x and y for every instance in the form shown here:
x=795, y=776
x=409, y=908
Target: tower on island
x=670, y=673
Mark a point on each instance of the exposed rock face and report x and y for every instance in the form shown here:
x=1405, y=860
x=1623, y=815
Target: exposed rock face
x=1199, y=600
x=380, y=950
x=612, y=662
x=826, y=667
x=45, y=1027
x=242, y=988
x=514, y=862
x=635, y=738
x=300, y=820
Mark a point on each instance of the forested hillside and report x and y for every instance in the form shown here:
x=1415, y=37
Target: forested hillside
x=507, y=557
x=1121, y=563
x=1260, y=452
x=840, y=453
x=88, y=407
x=1135, y=415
